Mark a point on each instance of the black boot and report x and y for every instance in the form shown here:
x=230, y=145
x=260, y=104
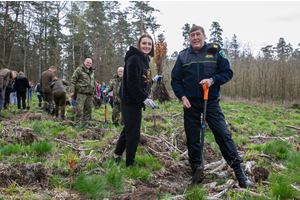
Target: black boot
x=244, y=182
x=194, y=167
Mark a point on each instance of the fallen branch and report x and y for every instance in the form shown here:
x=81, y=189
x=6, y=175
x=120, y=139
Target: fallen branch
x=159, y=154
x=296, y=188
x=264, y=137
x=217, y=196
x=246, y=191
x=224, y=186
x=214, y=164
x=248, y=166
x=158, y=138
x=71, y=145
x=293, y=127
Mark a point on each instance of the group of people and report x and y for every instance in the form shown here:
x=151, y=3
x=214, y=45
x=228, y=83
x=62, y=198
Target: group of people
x=14, y=87
x=201, y=63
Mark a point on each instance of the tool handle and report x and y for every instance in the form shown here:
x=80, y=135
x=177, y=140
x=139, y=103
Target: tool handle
x=206, y=89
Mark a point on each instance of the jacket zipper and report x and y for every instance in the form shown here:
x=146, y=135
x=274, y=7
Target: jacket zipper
x=198, y=76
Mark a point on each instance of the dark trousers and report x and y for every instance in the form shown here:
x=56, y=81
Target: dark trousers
x=40, y=97
x=130, y=135
x=111, y=101
x=216, y=121
x=21, y=95
x=6, y=100
x=1, y=101
x=48, y=100
x=59, y=100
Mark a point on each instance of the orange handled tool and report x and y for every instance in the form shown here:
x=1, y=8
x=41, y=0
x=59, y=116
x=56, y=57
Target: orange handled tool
x=205, y=97
x=200, y=167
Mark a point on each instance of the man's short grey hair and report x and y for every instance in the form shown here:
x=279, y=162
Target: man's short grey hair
x=194, y=28
x=16, y=73
x=121, y=68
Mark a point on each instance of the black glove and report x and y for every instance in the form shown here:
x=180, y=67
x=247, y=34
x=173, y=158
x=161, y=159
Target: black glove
x=1, y=89
x=212, y=47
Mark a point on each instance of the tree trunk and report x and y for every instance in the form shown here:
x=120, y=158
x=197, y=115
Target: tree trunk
x=4, y=34
x=13, y=39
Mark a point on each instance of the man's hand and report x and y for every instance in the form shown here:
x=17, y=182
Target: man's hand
x=94, y=96
x=156, y=78
x=148, y=102
x=104, y=91
x=186, y=102
x=207, y=82
x=71, y=94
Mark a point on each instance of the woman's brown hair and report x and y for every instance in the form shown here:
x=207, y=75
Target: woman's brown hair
x=139, y=41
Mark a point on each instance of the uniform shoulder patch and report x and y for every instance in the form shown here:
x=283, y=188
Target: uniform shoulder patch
x=222, y=53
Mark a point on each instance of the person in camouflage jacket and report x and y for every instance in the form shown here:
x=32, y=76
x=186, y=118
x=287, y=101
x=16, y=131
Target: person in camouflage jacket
x=114, y=86
x=83, y=84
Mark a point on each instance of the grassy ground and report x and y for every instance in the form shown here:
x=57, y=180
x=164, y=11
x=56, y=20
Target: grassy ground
x=97, y=179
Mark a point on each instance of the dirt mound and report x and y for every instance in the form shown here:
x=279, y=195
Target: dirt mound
x=260, y=173
x=18, y=135
x=24, y=174
x=94, y=134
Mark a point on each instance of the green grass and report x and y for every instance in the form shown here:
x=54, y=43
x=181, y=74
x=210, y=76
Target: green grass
x=91, y=186
x=42, y=147
x=280, y=149
x=11, y=149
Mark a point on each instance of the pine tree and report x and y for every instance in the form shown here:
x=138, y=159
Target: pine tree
x=185, y=33
x=142, y=12
x=216, y=33
x=234, y=48
x=268, y=52
x=283, y=50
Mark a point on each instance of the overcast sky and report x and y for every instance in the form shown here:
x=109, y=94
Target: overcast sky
x=255, y=23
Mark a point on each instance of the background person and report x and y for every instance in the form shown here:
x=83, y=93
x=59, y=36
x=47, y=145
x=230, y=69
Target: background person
x=46, y=77
x=8, y=90
x=134, y=94
x=59, y=96
x=114, y=86
x=83, y=83
x=207, y=64
x=6, y=75
x=103, y=87
x=13, y=95
x=39, y=94
x=21, y=87
x=30, y=90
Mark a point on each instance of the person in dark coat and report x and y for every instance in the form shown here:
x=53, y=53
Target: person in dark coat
x=21, y=86
x=59, y=95
x=6, y=76
x=207, y=64
x=8, y=90
x=135, y=94
x=46, y=77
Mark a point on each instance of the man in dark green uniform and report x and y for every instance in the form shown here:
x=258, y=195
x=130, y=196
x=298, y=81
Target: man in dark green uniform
x=114, y=86
x=84, y=85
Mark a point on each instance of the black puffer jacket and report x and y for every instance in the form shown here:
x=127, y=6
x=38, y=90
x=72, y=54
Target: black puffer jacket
x=136, y=82
x=21, y=84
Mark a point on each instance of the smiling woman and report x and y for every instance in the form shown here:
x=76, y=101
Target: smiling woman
x=134, y=94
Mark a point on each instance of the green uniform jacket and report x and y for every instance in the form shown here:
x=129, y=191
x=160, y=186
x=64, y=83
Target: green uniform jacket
x=83, y=81
x=115, y=85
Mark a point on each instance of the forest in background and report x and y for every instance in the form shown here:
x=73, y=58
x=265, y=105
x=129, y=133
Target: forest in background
x=40, y=34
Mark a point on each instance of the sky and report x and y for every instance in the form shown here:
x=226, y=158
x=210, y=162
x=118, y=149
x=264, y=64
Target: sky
x=255, y=23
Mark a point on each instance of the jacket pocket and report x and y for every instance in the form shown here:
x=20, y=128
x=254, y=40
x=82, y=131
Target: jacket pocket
x=209, y=69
